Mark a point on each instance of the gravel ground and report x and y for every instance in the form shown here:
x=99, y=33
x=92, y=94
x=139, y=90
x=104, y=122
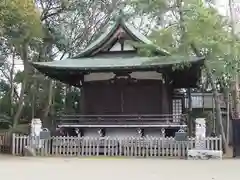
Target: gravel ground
x=26, y=168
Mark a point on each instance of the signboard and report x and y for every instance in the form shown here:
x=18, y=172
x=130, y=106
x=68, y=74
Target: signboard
x=181, y=136
x=45, y=134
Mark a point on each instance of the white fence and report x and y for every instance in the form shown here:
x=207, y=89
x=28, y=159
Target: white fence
x=107, y=146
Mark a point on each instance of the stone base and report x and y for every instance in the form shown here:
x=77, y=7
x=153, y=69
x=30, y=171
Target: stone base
x=203, y=154
x=28, y=151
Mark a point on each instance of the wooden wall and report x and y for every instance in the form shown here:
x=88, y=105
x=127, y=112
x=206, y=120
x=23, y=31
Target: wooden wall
x=123, y=97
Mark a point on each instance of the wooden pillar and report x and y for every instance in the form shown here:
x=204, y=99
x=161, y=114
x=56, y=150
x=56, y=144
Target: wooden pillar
x=82, y=101
x=190, y=120
x=165, y=92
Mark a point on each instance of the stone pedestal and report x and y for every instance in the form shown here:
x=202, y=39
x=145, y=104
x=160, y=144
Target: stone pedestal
x=36, y=128
x=200, y=133
x=200, y=152
x=29, y=151
x=194, y=154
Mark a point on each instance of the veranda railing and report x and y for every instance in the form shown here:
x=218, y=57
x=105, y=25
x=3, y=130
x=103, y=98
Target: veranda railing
x=78, y=120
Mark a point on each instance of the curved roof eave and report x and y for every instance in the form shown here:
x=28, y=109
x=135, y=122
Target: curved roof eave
x=98, y=64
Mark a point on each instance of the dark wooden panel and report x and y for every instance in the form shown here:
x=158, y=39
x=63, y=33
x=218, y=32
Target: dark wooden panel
x=123, y=97
x=143, y=97
x=166, y=97
x=236, y=137
x=101, y=98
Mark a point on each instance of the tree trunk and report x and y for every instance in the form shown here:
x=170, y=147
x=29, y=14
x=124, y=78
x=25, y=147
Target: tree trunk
x=209, y=75
x=48, y=105
x=24, y=57
x=20, y=103
x=47, y=109
x=227, y=103
x=235, y=85
x=34, y=91
x=12, y=84
x=218, y=109
x=216, y=101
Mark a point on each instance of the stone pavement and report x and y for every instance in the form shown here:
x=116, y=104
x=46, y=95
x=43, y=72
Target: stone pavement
x=31, y=168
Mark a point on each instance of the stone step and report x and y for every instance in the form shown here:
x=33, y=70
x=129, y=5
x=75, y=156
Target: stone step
x=204, y=154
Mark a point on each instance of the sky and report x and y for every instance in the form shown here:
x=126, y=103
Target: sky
x=222, y=5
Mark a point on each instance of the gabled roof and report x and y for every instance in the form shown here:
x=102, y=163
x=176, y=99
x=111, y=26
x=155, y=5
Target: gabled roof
x=84, y=59
x=103, y=38
x=94, y=58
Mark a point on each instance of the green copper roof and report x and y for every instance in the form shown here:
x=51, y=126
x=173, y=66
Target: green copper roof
x=92, y=64
x=72, y=70
x=108, y=32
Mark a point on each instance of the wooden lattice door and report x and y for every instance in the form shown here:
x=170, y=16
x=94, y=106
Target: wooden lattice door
x=177, y=109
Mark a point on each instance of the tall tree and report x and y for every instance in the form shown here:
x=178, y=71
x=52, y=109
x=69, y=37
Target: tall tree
x=197, y=28
x=20, y=24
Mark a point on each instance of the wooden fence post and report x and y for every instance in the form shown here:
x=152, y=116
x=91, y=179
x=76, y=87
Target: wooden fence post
x=220, y=143
x=13, y=143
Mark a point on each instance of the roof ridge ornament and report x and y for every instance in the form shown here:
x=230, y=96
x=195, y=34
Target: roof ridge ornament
x=120, y=13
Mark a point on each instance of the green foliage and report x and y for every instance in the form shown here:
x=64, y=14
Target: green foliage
x=156, y=7
x=43, y=30
x=203, y=26
x=19, y=20
x=4, y=87
x=166, y=38
x=211, y=33
x=70, y=25
x=19, y=77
